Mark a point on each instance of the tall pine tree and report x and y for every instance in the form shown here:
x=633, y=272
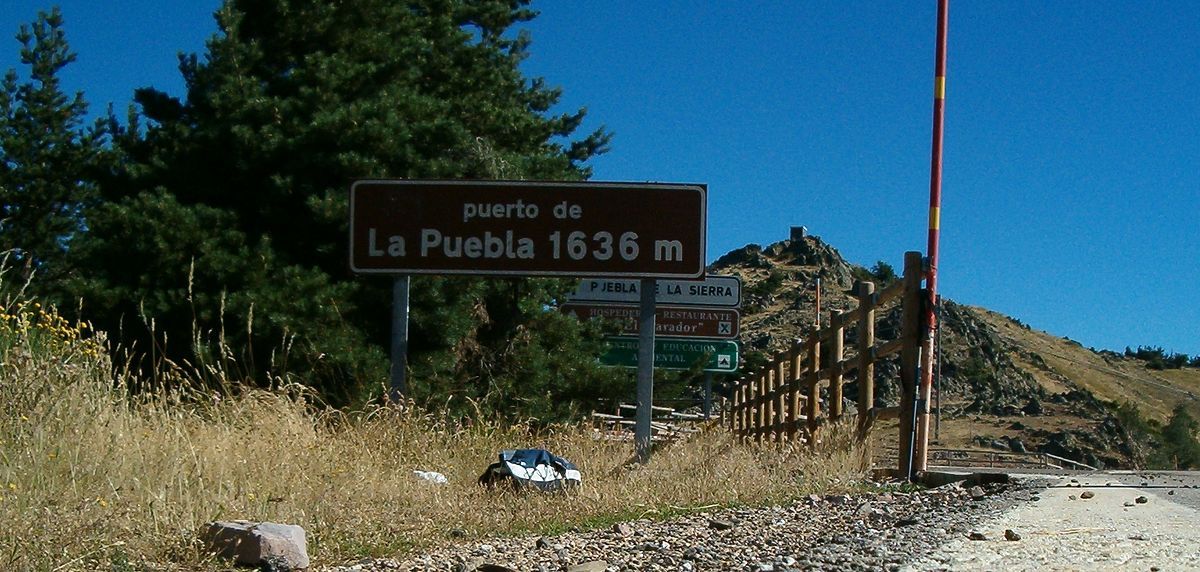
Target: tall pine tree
x=230, y=207
x=47, y=157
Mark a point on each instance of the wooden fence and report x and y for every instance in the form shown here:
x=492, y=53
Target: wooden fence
x=781, y=401
x=666, y=424
x=975, y=458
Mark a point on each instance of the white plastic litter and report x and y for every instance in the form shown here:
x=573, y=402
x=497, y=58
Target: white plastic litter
x=432, y=477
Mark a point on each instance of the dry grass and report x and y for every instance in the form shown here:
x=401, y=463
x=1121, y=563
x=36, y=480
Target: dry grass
x=92, y=478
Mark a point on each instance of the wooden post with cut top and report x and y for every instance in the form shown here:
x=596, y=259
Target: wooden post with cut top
x=866, y=349
x=781, y=397
x=734, y=411
x=835, y=364
x=814, y=388
x=756, y=408
x=795, y=355
x=769, y=406
x=909, y=355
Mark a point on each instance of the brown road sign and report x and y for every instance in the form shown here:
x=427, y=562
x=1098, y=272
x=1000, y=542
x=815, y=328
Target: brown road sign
x=632, y=230
x=670, y=321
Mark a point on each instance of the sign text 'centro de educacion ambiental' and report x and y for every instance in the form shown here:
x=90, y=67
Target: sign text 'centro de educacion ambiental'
x=636, y=230
x=708, y=355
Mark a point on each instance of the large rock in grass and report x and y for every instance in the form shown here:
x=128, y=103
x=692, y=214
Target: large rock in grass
x=276, y=547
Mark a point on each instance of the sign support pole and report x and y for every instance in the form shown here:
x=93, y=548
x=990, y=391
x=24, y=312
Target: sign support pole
x=645, y=371
x=399, y=348
x=708, y=394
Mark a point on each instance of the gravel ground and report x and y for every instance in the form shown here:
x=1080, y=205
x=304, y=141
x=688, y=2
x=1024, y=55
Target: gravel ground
x=838, y=532
x=1098, y=521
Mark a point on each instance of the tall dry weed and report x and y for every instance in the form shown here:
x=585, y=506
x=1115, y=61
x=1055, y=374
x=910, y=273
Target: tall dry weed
x=94, y=476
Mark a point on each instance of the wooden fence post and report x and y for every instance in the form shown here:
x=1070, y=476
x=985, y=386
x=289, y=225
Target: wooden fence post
x=759, y=413
x=795, y=354
x=769, y=406
x=866, y=358
x=909, y=355
x=733, y=411
x=743, y=415
x=835, y=364
x=814, y=388
x=781, y=396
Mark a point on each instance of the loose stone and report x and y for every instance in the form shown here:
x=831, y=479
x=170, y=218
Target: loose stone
x=717, y=524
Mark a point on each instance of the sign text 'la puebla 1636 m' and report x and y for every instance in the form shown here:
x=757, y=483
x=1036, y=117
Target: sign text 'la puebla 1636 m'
x=637, y=230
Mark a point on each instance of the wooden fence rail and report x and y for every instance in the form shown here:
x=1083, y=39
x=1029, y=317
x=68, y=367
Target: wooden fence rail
x=781, y=401
x=943, y=457
x=666, y=424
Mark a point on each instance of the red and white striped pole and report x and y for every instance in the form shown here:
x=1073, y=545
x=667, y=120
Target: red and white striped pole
x=921, y=454
x=817, y=313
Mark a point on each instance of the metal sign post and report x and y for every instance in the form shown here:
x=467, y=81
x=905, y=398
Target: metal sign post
x=399, y=385
x=708, y=376
x=645, y=372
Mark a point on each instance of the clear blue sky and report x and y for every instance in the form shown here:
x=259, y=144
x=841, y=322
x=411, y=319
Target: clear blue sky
x=1072, y=164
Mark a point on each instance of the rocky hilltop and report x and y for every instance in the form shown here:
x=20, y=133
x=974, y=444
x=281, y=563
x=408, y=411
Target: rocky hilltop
x=1004, y=385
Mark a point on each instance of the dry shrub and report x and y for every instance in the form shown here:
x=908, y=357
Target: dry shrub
x=95, y=476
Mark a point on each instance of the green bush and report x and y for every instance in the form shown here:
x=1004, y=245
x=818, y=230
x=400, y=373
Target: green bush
x=1180, y=448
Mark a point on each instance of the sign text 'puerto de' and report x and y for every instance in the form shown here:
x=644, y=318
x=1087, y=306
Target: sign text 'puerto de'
x=644, y=230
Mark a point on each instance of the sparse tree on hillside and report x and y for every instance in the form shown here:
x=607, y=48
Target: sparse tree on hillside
x=1181, y=449
x=46, y=155
x=883, y=273
x=234, y=200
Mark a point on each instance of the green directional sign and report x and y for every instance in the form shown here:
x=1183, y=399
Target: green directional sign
x=672, y=353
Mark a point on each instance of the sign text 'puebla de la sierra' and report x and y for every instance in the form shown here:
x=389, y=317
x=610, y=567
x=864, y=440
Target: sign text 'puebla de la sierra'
x=630, y=230
x=721, y=291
